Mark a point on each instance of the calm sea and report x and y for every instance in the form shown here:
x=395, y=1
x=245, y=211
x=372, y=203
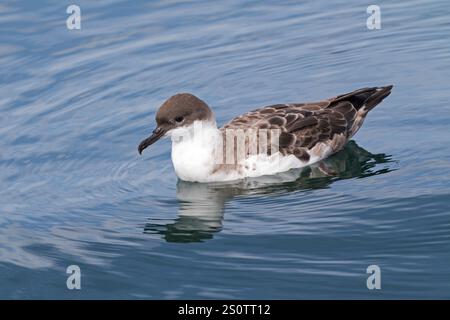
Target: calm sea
x=74, y=104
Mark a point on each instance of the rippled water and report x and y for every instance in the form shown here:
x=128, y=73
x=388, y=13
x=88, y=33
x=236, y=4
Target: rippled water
x=75, y=103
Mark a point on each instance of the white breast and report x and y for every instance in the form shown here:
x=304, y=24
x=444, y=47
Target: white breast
x=194, y=156
x=193, y=151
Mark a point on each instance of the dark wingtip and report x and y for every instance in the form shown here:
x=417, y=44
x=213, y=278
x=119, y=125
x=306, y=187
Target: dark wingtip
x=376, y=97
x=365, y=98
x=386, y=90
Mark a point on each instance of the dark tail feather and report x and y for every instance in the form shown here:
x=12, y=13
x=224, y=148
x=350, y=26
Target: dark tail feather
x=365, y=99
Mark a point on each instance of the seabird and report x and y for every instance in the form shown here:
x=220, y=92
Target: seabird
x=264, y=141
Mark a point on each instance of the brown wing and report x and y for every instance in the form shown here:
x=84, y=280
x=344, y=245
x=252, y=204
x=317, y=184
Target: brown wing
x=310, y=128
x=324, y=131
x=272, y=116
x=302, y=125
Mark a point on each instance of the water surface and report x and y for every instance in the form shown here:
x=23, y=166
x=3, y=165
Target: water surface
x=74, y=104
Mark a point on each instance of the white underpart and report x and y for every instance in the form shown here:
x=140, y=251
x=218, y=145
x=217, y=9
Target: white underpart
x=193, y=150
x=194, y=156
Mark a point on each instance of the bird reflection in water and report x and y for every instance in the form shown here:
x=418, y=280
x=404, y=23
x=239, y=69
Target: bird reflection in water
x=202, y=205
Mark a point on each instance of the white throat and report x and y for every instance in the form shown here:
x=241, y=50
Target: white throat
x=193, y=150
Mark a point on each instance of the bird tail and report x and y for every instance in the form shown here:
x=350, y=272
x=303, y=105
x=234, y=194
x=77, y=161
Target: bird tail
x=365, y=99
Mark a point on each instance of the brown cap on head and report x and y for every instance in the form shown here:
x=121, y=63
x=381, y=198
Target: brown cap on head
x=185, y=106
x=178, y=111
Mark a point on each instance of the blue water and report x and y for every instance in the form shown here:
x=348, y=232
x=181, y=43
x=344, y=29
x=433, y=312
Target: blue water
x=74, y=104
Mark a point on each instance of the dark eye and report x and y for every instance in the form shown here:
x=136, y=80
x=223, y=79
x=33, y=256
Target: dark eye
x=179, y=119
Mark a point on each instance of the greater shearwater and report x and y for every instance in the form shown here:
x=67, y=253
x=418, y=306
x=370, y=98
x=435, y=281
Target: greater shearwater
x=264, y=141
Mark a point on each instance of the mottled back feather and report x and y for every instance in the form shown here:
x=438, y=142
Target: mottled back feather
x=309, y=129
